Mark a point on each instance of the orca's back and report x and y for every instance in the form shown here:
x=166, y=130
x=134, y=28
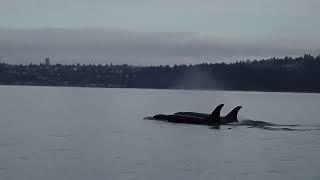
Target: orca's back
x=202, y=115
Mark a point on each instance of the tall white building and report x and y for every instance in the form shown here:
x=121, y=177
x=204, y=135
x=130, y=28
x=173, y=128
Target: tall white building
x=47, y=61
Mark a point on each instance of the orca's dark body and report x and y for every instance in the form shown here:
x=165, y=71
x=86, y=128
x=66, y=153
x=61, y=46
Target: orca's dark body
x=212, y=119
x=230, y=118
x=185, y=119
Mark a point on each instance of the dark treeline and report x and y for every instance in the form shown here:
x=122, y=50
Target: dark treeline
x=301, y=74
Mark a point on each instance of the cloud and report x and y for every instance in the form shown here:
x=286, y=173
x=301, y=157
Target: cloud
x=132, y=47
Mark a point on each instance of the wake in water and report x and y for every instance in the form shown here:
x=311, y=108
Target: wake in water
x=264, y=125
x=270, y=126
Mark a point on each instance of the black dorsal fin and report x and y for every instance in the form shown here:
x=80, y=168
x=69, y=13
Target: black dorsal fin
x=232, y=116
x=215, y=115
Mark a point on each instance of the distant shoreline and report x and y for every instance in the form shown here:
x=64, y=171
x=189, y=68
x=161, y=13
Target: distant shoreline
x=298, y=75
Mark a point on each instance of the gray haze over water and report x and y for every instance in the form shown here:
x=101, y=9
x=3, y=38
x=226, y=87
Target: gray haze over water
x=101, y=46
x=93, y=133
x=156, y=32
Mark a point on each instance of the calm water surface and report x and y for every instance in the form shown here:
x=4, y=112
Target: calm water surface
x=91, y=133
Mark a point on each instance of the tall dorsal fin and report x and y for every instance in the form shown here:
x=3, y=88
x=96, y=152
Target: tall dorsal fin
x=215, y=115
x=232, y=116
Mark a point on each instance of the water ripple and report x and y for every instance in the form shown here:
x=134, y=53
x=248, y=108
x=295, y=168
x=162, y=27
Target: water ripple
x=278, y=171
x=23, y=157
x=61, y=149
x=61, y=135
x=7, y=144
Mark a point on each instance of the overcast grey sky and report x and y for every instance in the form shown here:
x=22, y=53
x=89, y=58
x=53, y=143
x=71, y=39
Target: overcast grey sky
x=156, y=32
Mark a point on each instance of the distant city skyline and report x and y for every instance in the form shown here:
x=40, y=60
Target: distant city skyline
x=156, y=32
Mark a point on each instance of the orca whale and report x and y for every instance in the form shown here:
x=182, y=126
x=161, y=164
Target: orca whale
x=231, y=117
x=212, y=120
x=215, y=120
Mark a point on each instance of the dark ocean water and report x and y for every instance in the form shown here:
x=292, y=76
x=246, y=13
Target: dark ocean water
x=91, y=133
